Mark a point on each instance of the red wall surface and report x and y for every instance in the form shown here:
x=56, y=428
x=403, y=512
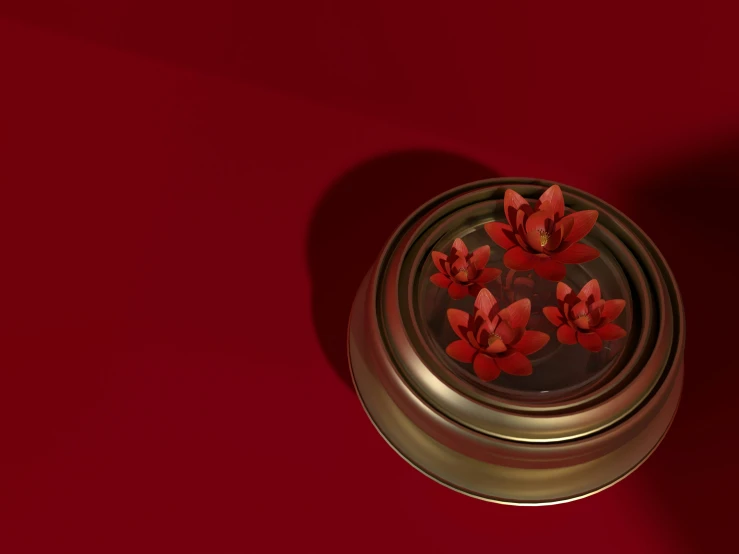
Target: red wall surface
x=192, y=191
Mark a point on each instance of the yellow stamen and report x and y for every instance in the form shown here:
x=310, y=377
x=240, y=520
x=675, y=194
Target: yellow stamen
x=492, y=339
x=543, y=238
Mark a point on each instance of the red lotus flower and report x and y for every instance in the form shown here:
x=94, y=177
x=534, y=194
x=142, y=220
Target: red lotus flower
x=543, y=238
x=462, y=272
x=585, y=318
x=495, y=340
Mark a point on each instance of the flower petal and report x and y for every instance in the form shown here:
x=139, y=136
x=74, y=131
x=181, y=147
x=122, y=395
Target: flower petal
x=496, y=347
x=591, y=288
x=596, y=309
x=551, y=270
x=504, y=331
x=597, y=305
x=577, y=253
x=580, y=309
x=460, y=247
x=516, y=258
x=610, y=332
x=441, y=280
x=566, y=335
x=488, y=274
x=555, y=240
x=480, y=257
x=566, y=306
x=582, y=323
x=515, y=363
x=582, y=223
x=485, y=302
x=461, y=351
x=562, y=291
x=539, y=206
x=533, y=240
x=517, y=314
x=460, y=270
x=520, y=227
x=554, y=196
x=439, y=259
x=471, y=339
x=457, y=291
x=590, y=341
x=485, y=367
x=531, y=342
x=539, y=221
x=511, y=202
x=484, y=330
x=501, y=234
x=521, y=239
x=553, y=315
x=564, y=225
x=460, y=322
x=612, y=309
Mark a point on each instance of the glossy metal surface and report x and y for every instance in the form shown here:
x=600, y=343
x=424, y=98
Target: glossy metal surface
x=505, y=448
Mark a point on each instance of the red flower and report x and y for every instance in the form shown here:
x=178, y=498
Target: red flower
x=463, y=272
x=543, y=238
x=495, y=340
x=585, y=318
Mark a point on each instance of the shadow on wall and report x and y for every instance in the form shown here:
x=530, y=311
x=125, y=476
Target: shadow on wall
x=685, y=204
x=688, y=208
x=354, y=220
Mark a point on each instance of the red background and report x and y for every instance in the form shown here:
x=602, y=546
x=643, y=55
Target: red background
x=191, y=192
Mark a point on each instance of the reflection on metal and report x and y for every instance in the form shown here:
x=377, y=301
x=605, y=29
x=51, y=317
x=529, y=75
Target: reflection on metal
x=500, y=442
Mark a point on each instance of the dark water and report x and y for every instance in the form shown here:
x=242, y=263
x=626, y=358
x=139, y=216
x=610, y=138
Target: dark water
x=558, y=368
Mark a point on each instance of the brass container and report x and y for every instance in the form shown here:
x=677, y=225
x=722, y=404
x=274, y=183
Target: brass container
x=582, y=424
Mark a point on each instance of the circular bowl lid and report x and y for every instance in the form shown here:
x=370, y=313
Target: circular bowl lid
x=520, y=341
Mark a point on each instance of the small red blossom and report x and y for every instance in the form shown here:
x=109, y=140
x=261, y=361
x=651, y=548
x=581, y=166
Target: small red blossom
x=463, y=272
x=543, y=238
x=585, y=318
x=495, y=340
